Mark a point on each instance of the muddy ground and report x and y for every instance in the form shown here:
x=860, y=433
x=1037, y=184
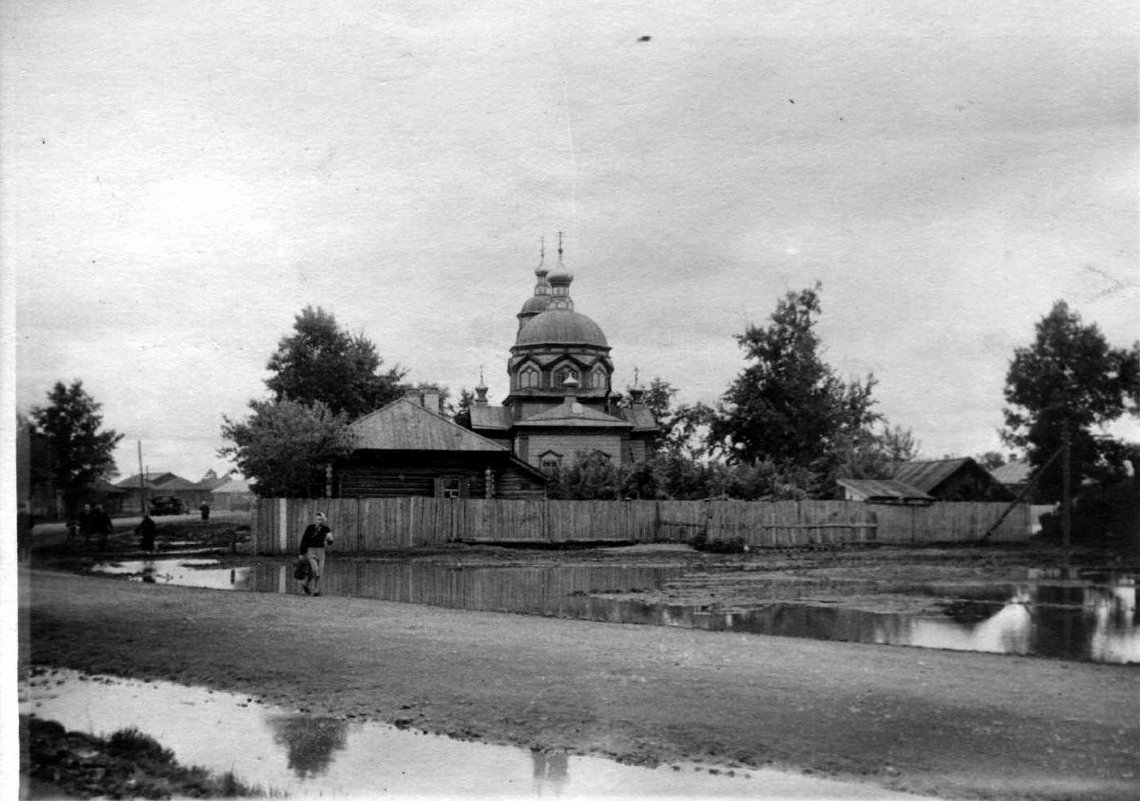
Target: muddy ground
x=951, y=724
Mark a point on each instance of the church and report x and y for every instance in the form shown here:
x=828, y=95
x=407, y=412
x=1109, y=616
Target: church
x=560, y=404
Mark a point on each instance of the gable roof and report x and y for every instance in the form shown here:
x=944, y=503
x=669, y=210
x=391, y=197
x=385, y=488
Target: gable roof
x=926, y=475
x=1015, y=472
x=232, y=485
x=884, y=490
x=153, y=481
x=404, y=425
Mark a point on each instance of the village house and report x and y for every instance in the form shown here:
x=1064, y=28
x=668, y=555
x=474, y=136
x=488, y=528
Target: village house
x=408, y=448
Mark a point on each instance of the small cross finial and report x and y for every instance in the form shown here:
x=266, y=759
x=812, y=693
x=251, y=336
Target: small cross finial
x=560, y=246
x=480, y=374
x=636, y=377
x=542, y=248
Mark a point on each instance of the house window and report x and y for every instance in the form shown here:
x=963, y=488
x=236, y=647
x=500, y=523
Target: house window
x=451, y=487
x=564, y=375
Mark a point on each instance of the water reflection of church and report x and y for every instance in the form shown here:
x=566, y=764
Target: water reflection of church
x=561, y=401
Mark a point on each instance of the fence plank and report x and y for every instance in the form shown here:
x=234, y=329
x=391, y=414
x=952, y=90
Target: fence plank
x=369, y=524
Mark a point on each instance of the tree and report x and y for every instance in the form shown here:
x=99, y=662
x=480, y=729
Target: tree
x=990, y=460
x=284, y=446
x=877, y=454
x=461, y=415
x=1070, y=378
x=788, y=405
x=320, y=362
x=80, y=454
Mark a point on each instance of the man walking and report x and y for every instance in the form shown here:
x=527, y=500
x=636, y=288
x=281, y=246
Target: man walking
x=316, y=538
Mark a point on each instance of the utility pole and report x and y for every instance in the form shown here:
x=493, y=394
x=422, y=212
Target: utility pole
x=142, y=484
x=1066, y=489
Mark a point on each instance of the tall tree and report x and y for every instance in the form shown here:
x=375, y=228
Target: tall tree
x=321, y=362
x=284, y=446
x=80, y=453
x=788, y=405
x=1070, y=378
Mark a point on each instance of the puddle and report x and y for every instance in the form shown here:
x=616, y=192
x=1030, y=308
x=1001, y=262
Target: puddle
x=181, y=571
x=1091, y=618
x=309, y=756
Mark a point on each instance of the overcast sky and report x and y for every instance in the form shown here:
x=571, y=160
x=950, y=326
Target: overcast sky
x=181, y=179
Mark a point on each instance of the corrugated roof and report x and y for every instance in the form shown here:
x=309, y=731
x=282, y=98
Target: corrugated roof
x=889, y=489
x=926, y=475
x=404, y=425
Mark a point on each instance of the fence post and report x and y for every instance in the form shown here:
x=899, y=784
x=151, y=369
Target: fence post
x=282, y=525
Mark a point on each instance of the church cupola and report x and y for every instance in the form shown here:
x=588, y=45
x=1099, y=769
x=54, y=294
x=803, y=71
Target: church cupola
x=540, y=300
x=560, y=281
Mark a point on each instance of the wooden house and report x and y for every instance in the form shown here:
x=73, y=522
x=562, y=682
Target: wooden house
x=408, y=448
x=952, y=480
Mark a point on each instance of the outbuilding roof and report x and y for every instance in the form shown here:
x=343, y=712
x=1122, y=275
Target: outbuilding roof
x=926, y=475
x=884, y=491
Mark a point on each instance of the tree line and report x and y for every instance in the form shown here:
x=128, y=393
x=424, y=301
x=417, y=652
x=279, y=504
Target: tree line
x=787, y=426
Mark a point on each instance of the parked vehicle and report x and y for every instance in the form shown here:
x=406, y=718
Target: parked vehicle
x=166, y=505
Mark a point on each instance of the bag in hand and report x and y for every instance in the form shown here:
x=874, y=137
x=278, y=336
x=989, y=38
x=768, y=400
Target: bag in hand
x=301, y=568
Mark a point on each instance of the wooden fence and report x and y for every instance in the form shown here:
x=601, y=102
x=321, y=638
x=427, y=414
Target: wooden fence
x=369, y=524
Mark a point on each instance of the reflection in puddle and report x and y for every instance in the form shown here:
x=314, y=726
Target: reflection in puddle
x=1056, y=618
x=308, y=756
x=181, y=571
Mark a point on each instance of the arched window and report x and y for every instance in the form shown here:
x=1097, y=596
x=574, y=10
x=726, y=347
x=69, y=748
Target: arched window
x=550, y=461
x=528, y=378
x=598, y=378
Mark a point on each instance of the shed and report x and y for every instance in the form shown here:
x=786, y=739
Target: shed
x=883, y=491
x=959, y=479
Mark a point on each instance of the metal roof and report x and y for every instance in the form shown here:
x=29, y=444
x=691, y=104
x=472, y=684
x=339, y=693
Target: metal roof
x=926, y=475
x=404, y=425
x=1015, y=472
x=868, y=489
x=574, y=415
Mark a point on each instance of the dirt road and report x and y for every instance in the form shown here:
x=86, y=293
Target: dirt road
x=946, y=723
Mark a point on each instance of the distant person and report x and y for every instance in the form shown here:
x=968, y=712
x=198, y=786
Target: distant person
x=25, y=524
x=205, y=510
x=316, y=538
x=86, y=523
x=102, y=525
x=146, y=531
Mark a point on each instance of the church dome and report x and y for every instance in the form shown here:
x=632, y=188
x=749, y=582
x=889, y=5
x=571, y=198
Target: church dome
x=562, y=327
x=535, y=304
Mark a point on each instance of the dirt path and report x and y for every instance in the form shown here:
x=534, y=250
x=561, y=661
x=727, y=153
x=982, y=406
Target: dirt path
x=946, y=723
